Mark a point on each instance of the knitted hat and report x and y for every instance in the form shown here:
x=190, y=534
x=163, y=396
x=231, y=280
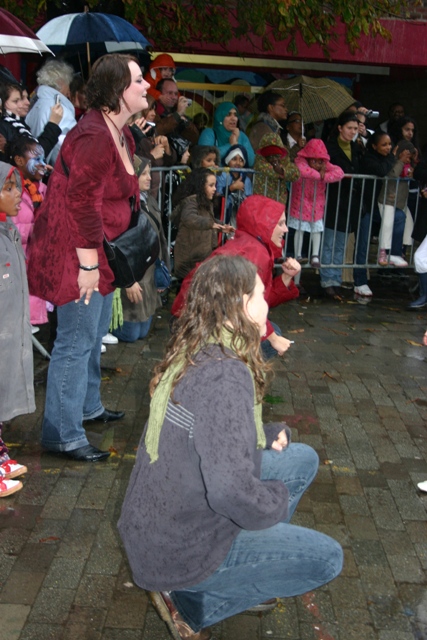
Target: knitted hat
x=236, y=150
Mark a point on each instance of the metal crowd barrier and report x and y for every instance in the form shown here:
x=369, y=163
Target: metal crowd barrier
x=366, y=205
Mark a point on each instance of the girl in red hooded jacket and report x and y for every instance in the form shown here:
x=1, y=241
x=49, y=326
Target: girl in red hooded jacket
x=261, y=225
x=307, y=205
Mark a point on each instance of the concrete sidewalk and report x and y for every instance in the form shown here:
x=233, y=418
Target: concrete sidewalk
x=353, y=386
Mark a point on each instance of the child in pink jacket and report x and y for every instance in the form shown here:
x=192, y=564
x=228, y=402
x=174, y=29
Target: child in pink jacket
x=307, y=204
x=28, y=156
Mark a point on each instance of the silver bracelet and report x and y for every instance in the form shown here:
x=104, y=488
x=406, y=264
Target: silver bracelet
x=92, y=268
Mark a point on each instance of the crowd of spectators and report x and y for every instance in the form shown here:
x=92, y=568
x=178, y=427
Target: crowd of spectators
x=75, y=171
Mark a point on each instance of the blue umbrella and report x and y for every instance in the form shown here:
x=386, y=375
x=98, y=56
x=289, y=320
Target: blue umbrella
x=76, y=29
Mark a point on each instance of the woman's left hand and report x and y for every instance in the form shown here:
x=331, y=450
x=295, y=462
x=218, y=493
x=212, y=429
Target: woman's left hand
x=281, y=441
x=87, y=282
x=134, y=293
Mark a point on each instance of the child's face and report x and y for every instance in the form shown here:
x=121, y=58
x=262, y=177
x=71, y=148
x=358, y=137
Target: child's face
x=209, y=161
x=236, y=163
x=316, y=163
x=210, y=187
x=10, y=197
x=274, y=160
x=166, y=72
x=32, y=163
x=144, y=180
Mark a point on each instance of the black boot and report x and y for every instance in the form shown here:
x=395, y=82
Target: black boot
x=422, y=300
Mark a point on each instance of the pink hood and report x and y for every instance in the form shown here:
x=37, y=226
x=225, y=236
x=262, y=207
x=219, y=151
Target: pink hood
x=314, y=149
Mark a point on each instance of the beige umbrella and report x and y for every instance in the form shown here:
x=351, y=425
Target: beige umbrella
x=315, y=98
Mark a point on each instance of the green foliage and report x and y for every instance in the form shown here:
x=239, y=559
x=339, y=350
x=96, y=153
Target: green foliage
x=173, y=23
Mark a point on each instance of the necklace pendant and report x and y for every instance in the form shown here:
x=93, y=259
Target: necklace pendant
x=122, y=139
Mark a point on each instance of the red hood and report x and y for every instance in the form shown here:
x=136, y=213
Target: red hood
x=258, y=217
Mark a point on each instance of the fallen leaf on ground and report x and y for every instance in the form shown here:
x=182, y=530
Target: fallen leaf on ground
x=273, y=399
x=329, y=375
x=414, y=344
x=296, y=331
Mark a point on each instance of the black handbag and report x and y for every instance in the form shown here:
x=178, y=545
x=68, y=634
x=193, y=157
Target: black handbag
x=130, y=254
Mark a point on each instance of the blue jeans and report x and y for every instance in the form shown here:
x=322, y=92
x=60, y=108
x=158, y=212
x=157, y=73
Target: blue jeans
x=332, y=253
x=74, y=377
x=281, y=561
x=268, y=351
x=362, y=250
x=398, y=231
x=133, y=331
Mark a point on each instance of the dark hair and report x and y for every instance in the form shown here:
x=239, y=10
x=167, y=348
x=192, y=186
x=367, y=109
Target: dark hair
x=376, y=137
x=392, y=106
x=267, y=98
x=200, y=152
x=110, y=77
x=395, y=130
x=6, y=90
x=346, y=116
x=77, y=85
x=240, y=99
x=19, y=145
x=195, y=186
x=214, y=301
x=161, y=83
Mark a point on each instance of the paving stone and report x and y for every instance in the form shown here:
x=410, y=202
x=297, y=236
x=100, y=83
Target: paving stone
x=37, y=631
x=21, y=587
x=13, y=617
x=52, y=606
x=95, y=591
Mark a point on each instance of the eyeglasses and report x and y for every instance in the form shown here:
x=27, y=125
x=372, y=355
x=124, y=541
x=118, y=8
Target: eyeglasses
x=292, y=121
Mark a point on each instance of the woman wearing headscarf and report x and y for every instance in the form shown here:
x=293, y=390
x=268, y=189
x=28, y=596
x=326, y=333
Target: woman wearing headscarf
x=226, y=132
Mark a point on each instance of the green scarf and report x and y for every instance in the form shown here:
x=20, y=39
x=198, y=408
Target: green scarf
x=160, y=399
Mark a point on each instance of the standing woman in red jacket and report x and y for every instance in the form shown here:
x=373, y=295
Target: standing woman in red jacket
x=88, y=196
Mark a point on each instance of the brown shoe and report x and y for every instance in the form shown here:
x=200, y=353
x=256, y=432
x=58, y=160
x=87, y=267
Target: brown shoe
x=179, y=629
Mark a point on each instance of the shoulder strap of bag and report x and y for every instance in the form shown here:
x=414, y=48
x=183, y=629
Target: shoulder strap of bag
x=153, y=218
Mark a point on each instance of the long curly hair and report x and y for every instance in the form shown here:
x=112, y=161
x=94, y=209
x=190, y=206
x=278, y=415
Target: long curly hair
x=195, y=185
x=215, y=302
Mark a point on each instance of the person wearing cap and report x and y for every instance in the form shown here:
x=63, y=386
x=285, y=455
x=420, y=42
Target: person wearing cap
x=273, y=169
x=163, y=66
x=235, y=183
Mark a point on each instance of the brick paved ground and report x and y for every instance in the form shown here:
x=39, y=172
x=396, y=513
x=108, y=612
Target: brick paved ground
x=353, y=386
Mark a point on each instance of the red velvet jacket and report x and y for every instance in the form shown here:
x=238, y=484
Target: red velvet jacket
x=78, y=209
x=256, y=220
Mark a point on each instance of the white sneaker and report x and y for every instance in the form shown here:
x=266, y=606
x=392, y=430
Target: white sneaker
x=363, y=290
x=397, y=261
x=422, y=486
x=103, y=348
x=110, y=339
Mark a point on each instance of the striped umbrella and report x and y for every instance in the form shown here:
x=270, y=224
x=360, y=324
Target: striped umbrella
x=16, y=37
x=73, y=30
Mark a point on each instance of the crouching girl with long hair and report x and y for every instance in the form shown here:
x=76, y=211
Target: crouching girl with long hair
x=205, y=520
